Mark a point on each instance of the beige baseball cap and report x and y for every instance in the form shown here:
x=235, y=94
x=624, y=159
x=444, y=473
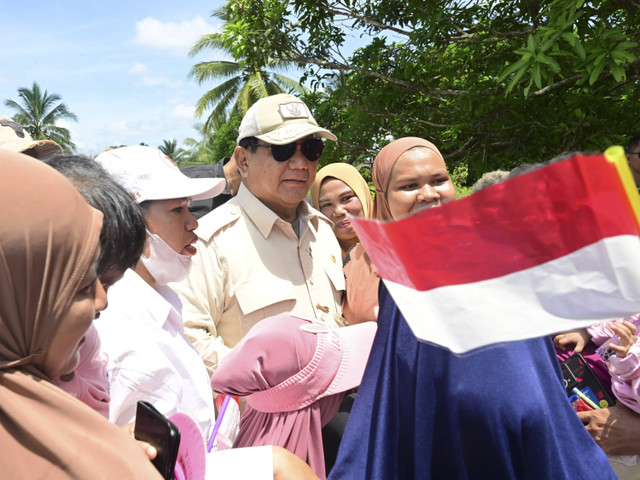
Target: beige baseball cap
x=13, y=137
x=280, y=119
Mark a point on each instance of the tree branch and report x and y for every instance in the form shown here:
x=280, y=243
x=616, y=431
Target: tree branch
x=575, y=78
x=470, y=38
x=402, y=117
x=299, y=58
x=350, y=13
x=557, y=85
x=461, y=150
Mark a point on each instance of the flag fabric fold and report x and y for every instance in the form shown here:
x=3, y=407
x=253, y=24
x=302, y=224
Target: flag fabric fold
x=549, y=251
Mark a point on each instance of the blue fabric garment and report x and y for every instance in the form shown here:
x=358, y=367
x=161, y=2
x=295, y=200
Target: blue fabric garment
x=496, y=413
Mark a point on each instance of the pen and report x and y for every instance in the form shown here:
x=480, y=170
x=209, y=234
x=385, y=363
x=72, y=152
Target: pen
x=216, y=427
x=586, y=399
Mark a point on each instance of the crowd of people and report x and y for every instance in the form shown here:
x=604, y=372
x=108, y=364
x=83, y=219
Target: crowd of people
x=112, y=292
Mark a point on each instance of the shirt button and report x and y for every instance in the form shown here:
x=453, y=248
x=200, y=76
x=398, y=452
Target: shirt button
x=311, y=281
x=235, y=211
x=333, y=259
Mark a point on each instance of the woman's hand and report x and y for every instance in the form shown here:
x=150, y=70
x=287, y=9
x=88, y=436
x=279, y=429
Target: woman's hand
x=149, y=450
x=287, y=466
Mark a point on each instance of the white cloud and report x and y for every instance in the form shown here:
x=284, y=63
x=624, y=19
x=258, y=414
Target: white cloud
x=138, y=69
x=141, y=70
x=182, y=112
x=172, y=36
x=160, y=80
x=121, y=127
x=133, y=128
x=64, y=123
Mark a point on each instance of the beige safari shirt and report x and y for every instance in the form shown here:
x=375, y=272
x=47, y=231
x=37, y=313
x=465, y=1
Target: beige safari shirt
x=251, y=265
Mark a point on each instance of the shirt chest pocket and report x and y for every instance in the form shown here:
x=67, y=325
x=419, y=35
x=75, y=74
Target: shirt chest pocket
x=336, y=277
x=261, y=297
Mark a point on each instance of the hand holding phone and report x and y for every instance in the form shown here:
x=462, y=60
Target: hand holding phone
x=154, y=428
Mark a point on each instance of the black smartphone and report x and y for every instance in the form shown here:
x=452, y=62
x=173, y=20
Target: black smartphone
x=578, y=374
x=154, y=428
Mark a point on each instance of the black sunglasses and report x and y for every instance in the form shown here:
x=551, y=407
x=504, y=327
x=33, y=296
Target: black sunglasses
x=311, y=148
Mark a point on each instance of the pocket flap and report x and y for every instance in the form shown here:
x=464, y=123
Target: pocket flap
x=259, y=293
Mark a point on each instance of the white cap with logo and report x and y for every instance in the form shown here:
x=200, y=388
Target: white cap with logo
x=280, y=119
x=148, y=174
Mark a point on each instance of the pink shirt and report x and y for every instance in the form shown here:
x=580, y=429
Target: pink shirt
x=625, y=372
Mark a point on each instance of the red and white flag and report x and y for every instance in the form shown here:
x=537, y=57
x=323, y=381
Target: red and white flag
x=549, y=251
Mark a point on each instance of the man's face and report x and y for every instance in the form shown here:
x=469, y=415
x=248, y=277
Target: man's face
x=281, y=186
x=633, y=157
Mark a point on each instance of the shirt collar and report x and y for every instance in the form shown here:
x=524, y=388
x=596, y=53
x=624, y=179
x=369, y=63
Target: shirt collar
x=264, y=218
x=160, y=304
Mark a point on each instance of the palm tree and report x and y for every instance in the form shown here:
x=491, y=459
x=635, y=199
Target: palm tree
x=198, y=152
x=171, y=150
x=211, y=147
x=243, y=84
x=38, y=113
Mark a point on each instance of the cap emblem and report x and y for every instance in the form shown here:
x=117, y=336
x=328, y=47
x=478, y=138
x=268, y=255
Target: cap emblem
x=293, y=110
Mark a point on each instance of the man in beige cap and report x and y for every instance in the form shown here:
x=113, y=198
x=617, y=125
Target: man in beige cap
x=266, y=251
x=13, y=137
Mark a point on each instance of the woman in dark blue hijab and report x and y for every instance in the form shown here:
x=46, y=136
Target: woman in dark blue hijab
x=500, y=412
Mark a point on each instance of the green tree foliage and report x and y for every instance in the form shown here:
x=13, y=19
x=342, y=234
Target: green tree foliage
x=38, y=112
x=170, y=149
x=244, y=81
x=224, y=141
x=213, y=146
x=198, y=152
x=493, y=84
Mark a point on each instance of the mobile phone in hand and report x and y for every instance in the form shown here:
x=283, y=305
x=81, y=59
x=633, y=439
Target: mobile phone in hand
x=154, y=428
x=578, y=374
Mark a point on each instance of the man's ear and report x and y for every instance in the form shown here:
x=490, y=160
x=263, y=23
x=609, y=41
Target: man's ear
x=242, y=160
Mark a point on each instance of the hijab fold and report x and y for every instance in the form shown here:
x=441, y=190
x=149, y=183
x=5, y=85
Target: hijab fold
x=48, y=241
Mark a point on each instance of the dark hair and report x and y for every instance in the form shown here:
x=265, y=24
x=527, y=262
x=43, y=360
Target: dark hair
x=250, y=143
x=525, y=168
x=144, y=207
x=530, y=167
x=489, y=179
x=634, y=142
x=123, y=229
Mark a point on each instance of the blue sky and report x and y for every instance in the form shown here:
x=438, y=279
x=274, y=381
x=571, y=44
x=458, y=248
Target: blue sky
x=120, y=66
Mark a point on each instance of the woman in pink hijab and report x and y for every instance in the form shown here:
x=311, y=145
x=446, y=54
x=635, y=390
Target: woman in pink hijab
x=409, y=175
x=294, y=372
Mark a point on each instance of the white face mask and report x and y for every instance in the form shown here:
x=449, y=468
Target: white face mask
x=164, y=263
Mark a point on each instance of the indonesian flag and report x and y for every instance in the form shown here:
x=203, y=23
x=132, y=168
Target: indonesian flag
x=549, y=251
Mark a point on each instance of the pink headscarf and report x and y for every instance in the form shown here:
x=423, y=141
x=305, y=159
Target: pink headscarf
x=382, y=166
x=294, y=372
